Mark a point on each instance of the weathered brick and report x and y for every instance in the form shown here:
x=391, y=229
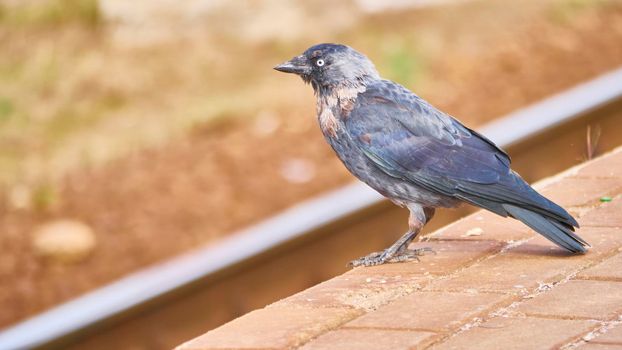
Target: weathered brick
x=450, y=256
x=571, y=192
x=610, y=269
x=514, y=271
x=274, y=328
x=358, y=288
x=612, y=336
x=435, y=311
x=577, y=299
x=604, y=240
x=608, y=165
x=536, y=261
x=518, y=333
x=598, y=346
x=369, y=287
x=485, y=225
x=372, y=339
x=605, y=215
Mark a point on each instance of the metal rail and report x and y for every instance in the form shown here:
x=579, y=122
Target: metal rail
x=146, y=286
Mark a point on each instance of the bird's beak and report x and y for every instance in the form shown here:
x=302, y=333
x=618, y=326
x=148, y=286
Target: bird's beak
x=297, y=65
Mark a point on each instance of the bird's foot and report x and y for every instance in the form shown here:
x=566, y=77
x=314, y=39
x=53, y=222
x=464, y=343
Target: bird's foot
x=385, y=256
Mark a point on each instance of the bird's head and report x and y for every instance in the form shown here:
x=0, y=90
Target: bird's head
x=327, y=66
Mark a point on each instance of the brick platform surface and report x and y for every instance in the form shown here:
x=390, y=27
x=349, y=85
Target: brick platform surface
x=494, y=284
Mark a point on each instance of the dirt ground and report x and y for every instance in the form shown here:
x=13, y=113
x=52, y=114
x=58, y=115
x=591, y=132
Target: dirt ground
x=220, y=176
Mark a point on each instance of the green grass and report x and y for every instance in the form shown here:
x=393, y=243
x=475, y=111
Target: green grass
x=403, y=64
x=6, y=109
x=44, y=197
x=51, y=13
x=565, y=11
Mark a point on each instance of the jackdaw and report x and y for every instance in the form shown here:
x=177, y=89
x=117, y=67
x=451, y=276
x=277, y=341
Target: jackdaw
x=415, y=155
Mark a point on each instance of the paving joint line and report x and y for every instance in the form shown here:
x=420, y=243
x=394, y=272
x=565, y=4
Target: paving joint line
x=403, y=329
x=508, y=311
x=599, y=279
x=593, y=334
x=567, y=318
x=338, y=326
x=425, y=284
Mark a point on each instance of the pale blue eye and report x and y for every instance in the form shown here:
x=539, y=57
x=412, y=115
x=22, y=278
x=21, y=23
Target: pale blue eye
x=319, y=62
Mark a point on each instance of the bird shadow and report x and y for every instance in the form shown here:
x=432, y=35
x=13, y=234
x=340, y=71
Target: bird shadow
x=532, y=249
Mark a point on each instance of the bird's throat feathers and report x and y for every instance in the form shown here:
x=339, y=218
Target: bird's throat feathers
x=334, y=105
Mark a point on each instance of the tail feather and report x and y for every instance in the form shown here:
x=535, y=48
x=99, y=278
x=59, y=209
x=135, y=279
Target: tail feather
x=515, y=191
x=556, y=231
x=565, y=227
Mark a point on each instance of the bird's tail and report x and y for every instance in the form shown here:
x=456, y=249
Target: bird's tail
x=553, y=229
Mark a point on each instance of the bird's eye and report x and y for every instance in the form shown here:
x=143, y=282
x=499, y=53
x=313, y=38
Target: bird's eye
x=319, y=62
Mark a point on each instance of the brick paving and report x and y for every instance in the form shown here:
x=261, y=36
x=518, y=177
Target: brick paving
x=494, y=284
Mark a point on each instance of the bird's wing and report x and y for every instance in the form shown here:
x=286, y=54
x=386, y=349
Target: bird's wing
x=409, y=139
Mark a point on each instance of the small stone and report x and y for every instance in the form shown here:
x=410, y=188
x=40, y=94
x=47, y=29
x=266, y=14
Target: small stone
x=477, y=231
x=66, y=241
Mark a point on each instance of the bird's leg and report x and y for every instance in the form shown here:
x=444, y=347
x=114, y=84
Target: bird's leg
x=399, y=251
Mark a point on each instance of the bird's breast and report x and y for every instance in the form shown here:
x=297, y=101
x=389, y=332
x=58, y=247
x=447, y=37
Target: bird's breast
x=335, y=106
x=328, y=122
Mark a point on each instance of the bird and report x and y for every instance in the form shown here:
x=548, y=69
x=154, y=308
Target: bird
x=417, y=156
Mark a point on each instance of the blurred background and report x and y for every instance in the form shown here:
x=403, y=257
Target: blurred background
x=134, y=131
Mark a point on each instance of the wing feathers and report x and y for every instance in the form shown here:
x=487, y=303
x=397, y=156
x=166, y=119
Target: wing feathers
x=409, y=139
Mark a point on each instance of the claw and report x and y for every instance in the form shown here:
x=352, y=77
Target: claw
x=371, y=259
x=379, y=258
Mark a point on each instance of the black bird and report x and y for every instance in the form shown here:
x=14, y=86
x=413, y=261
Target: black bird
x=415, y=155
